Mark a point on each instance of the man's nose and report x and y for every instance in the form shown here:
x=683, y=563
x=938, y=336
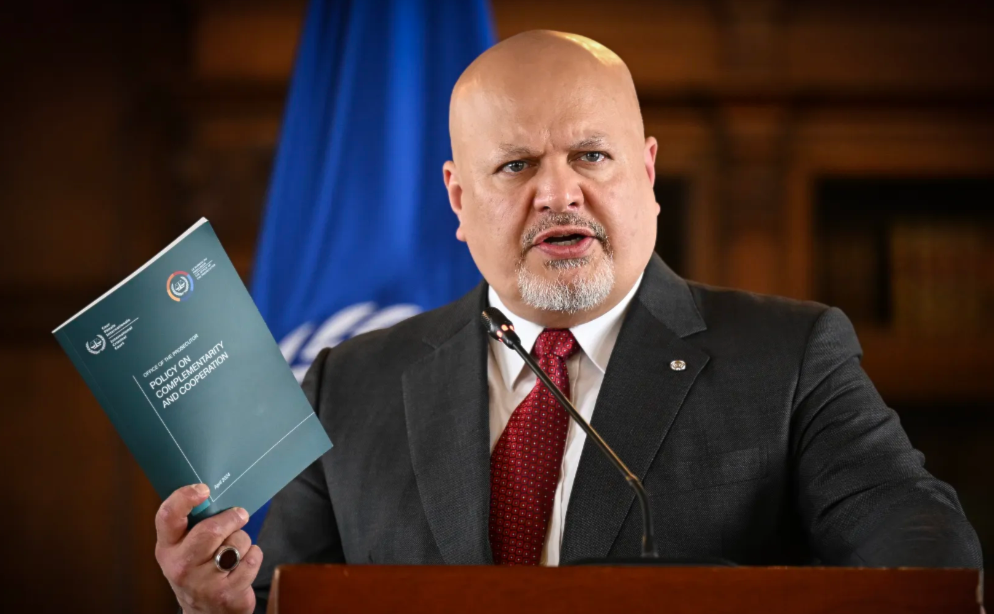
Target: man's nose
x=558, y=188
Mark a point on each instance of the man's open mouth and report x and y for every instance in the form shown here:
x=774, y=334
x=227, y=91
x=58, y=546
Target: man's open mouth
x=563, y=236
x=565, y=242
x=571, y=239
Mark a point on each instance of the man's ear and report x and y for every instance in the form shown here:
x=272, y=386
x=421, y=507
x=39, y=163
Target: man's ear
x=649, y=155
x=451, y=180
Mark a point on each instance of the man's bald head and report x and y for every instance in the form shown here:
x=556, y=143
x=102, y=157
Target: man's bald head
x=551, y=175
x=535, y=66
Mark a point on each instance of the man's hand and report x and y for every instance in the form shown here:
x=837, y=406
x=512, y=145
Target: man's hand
x=187, y=557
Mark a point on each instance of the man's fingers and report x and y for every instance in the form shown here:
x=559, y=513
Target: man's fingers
x=205, y=538
x=170, y=520
x=247, y=570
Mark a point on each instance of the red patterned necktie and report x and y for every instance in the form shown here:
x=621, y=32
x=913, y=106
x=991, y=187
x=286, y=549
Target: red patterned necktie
x=524, y=466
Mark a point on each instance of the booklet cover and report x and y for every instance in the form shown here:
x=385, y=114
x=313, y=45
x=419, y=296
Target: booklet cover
x=185, y=367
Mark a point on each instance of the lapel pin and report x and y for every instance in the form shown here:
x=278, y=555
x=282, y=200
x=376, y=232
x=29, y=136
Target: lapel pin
x=678, y=365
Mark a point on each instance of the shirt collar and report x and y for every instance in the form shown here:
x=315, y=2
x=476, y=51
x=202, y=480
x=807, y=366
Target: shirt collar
x=596, y=338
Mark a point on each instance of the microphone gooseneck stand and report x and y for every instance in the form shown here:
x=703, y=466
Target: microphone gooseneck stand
x=500, y=328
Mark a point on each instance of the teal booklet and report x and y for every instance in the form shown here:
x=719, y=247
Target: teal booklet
x=185, y=367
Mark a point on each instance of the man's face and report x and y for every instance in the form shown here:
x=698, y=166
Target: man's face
x=552, y=184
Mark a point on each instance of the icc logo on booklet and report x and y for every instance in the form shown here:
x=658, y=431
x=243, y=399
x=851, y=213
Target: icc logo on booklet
x=179, y=286
x=302, y=346
x=97, y=345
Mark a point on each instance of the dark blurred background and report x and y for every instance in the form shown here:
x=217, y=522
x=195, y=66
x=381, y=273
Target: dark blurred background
x=833, y=150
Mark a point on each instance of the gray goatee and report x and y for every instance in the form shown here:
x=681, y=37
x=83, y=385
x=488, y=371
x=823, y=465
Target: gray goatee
x=586, y=290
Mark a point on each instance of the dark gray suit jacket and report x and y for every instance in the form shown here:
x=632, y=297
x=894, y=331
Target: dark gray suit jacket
x=771, y=448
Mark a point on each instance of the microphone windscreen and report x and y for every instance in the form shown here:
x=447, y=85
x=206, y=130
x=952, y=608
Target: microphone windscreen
x=498, y=326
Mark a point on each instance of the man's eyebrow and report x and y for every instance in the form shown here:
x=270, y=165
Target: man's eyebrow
x=508, y=150
x=590, y=142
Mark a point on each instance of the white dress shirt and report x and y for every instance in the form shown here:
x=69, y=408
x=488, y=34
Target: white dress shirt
x=510, y=381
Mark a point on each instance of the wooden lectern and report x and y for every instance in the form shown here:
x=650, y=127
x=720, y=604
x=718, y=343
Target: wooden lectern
x=314, y=589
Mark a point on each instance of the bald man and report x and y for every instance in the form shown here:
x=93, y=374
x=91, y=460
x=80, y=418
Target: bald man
x=757, y=434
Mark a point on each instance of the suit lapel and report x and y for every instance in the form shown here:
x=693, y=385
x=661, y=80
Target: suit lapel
x=448, y=428
x=638, y=402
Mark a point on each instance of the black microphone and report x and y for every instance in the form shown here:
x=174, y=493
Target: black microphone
x=500, y=328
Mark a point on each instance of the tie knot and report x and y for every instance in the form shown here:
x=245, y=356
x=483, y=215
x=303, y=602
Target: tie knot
x=557, y=342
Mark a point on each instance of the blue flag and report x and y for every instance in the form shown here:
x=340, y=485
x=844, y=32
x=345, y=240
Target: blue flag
x=357, y=233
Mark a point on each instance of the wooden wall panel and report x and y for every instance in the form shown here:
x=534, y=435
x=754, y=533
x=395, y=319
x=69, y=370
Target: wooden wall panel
x=252, y=41
x=874, y=142
x=60, y=147
x=670, y=47
x=69, y=496
x=863, y=48
x=83, y=165
x=688, y=148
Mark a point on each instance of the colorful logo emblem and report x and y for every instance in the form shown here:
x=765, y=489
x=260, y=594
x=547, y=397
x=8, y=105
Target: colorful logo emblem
x=179, y=286
x=97, y=345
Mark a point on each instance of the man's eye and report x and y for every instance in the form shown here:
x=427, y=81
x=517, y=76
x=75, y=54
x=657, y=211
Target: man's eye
x=513, y=167
x=593, y=156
